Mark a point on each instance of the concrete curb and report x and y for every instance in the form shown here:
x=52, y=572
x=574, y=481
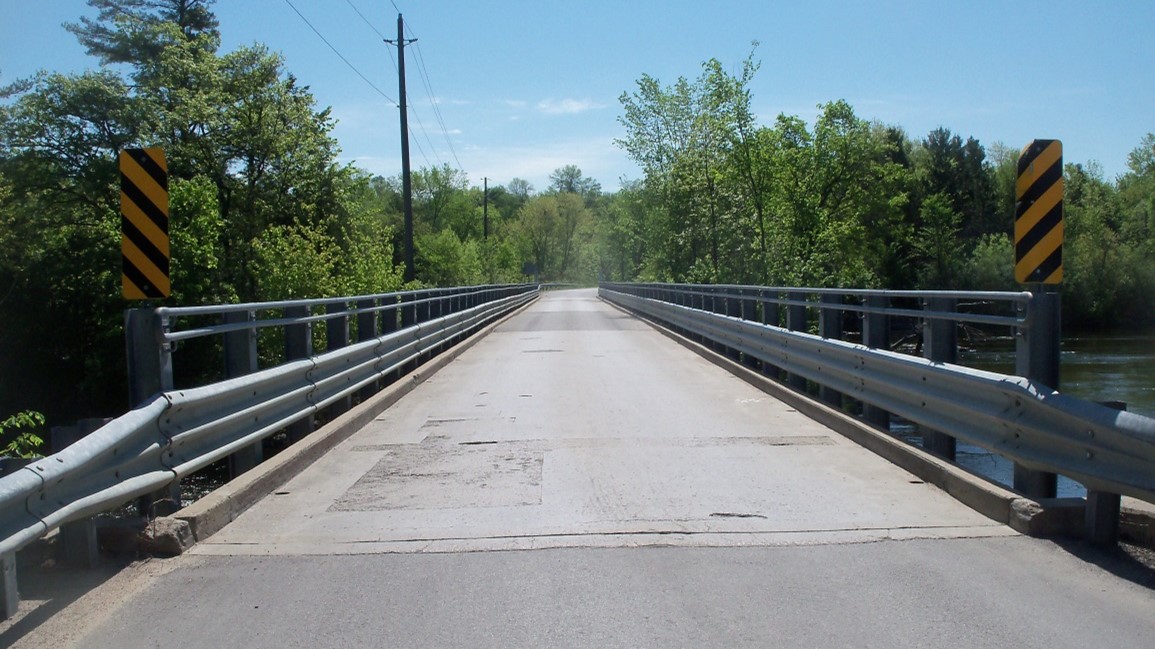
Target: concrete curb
x=1042, y=518
x=212, y=512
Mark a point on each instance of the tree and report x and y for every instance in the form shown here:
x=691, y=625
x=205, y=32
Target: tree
x=125, y=31
x=259, y=205
x=439, y=201
x=569, y=180
x=938, y=243
x=537, y=228
x=958, y=171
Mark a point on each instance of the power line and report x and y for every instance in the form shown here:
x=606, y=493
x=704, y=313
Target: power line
x=436, y=111
x=350, y=3
x=423, y=72
x=420, y=124
x=341, y=56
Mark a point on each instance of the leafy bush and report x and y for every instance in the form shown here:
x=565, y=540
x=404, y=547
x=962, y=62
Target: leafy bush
x=16, y=439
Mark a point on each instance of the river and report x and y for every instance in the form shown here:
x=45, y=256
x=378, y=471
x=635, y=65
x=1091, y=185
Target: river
x=1092, y=367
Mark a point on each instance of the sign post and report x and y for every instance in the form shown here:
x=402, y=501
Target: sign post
x=1039, y=265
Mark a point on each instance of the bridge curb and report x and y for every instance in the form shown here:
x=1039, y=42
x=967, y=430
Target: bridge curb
x=212, y=512
x=985, y=497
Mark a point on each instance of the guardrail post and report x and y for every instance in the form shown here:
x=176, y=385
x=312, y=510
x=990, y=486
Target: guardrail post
x=750, y=314
x=796, y=321
x=78, y=545
x=830, y=327
x=241, y=359
x=409, y=318
x=697, y=301
x=770, y=316
x=876, y=335
x=298, y=345
x=336, y=337
x=149, y=374
x=367, y=330
x=1101, y=516
x=10, y=593
x=939, y=345
x=733, y=308
x=149, y=355
x=408, y=310
x=769, y=308
x=1037, y=359
x=424, y=313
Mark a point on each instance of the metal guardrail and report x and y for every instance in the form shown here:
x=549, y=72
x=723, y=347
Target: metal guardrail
x=1107, y=450
x=173, y=433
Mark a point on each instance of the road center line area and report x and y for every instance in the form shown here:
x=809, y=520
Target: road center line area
x=577, y=479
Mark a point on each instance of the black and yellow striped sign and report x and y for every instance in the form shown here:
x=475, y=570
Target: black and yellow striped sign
x=144, y=224
x=1039, y=214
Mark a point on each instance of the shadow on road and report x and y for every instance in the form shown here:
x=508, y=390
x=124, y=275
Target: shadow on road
x=48, y=586
x=1133, y=563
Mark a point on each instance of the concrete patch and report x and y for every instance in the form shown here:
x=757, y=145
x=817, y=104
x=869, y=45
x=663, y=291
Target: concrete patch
x=436, y=473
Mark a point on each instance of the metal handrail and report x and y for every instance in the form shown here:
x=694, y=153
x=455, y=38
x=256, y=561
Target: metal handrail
x=397, y=300
x=773, y=295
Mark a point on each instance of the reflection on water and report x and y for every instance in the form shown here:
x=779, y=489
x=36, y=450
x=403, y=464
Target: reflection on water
x=1094, y=368
x=985, y=463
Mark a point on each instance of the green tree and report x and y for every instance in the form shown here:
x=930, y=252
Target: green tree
x=938, y=243
x=445, y=260
x=253, y=178
x=570, y=180
x=125, y=31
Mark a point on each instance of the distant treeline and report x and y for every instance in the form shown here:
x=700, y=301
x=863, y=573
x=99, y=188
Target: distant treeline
x=261, y=208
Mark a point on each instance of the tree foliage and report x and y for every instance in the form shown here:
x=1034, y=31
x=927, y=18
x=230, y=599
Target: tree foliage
x=846, y=202
x=260, y=207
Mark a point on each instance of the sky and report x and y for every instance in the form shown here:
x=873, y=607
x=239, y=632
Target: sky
x=519, y=88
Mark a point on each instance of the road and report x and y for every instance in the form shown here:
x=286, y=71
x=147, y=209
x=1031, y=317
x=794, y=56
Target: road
x=577, y=479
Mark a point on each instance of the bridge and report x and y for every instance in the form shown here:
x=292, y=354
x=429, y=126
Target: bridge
x=654, y=467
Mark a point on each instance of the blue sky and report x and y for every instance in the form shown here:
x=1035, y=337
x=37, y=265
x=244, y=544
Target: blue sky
x=526, y=86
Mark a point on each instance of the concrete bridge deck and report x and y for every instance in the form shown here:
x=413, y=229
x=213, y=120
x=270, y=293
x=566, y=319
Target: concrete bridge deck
x=566, y=438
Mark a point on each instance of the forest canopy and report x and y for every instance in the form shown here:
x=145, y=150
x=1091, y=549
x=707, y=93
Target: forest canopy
x=262, y=209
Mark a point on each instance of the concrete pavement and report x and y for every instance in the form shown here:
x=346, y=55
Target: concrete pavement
x=567, y=438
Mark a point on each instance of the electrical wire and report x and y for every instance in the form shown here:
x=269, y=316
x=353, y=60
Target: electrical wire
x=417, y=118
x=436, y=111
x=366, y=20
x=424, y=74
x=414, y=140
x=342, y=56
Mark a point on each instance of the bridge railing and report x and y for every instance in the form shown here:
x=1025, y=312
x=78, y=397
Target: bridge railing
x=172, y=433
x=1109, y=451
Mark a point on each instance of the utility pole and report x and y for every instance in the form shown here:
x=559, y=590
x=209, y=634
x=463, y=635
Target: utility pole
x=485, y=210
x=406, y=177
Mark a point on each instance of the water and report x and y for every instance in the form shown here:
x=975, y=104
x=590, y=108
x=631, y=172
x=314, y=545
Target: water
x=1094, y=368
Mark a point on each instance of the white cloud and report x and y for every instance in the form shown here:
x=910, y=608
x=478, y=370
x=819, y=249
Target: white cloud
x=515, y=103
x=567, y=106
x=451, y=102
x=597, y=157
